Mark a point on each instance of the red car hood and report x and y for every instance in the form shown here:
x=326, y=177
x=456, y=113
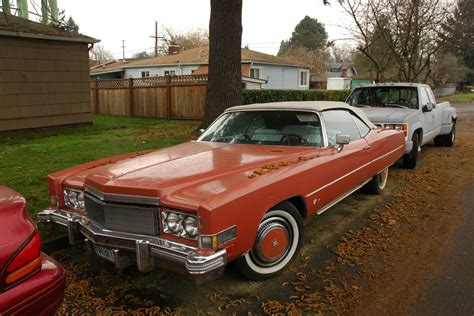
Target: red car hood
x=16, y=226
x=160, y=172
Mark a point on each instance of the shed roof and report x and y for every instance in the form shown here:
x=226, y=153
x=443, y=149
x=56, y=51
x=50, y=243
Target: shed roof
x=14, y=26
x=317, y=106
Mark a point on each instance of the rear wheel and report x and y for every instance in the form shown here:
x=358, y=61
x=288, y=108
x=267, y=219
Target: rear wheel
x=451, y=137
x=446, y=140
x=378, y=182
x=279, y=238
x=410, y=159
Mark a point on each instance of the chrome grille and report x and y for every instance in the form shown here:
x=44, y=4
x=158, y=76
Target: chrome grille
x=124, y=217
x=94, y=208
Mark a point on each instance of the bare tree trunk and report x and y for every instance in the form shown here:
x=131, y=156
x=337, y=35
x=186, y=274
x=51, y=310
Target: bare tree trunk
x=224, y=87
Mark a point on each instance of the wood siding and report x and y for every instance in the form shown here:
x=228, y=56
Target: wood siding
x=43, y=83
x=175, y=97
x=281, y=77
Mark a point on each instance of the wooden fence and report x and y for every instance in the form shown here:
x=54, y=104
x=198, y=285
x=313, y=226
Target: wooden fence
x=172, y=97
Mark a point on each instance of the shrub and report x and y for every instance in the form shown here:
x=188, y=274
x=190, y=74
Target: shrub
x=266, y=96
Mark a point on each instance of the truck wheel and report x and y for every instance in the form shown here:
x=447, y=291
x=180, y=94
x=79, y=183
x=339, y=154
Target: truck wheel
x=439, y=140
x=378, y=182
x=451, y=137
x=279, y=238
x=410, y=159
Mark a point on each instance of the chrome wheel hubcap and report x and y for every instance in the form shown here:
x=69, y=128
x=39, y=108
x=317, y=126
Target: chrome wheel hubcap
x=273, y=242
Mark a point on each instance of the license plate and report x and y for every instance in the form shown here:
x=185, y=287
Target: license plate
x=105, y=253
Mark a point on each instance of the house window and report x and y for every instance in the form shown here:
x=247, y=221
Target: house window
x=170, y=72
x=303, y=80
x=145, y=73
x=256, y=72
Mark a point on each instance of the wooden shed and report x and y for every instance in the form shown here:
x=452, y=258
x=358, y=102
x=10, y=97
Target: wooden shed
x=44, y=75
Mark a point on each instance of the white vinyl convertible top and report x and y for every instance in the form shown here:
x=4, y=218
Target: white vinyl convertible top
x=318, y=106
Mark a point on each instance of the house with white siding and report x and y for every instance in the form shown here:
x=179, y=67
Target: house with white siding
x=259, y=70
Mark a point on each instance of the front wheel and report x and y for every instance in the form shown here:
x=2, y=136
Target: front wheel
x=279, y=238
x=410, y=159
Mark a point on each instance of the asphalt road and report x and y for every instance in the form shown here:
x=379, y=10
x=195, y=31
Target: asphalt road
x=452, y=291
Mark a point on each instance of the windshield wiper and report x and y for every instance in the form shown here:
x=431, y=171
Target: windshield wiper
x=362, y=105
x=395, y=105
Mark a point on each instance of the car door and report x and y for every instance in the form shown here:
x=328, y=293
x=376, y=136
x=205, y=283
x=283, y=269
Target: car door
x=344, y=169
x=427, y=116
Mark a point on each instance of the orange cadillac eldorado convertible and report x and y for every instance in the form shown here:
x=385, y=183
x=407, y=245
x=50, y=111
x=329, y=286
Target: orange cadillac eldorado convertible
x=241, y=192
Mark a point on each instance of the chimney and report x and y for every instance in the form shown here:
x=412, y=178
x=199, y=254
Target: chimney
x=173, y=49
x=344, y=72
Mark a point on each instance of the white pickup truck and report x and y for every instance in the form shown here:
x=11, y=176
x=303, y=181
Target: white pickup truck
x=410, y=107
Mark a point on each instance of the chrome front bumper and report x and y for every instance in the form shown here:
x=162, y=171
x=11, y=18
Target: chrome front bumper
x=147, y=251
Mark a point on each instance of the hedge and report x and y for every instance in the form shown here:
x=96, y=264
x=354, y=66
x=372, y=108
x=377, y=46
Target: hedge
x=265, y=96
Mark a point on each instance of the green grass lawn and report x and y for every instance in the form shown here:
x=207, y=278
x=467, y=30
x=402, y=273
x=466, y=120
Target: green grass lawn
x=27, y=157
x=459, y=98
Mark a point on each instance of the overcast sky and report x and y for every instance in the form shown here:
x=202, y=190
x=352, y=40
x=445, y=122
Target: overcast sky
x=265, y=22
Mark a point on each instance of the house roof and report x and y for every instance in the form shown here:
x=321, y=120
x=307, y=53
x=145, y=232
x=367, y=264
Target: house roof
x=199, y=56
x=14, y=26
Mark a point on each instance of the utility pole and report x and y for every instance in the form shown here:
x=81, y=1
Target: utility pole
x=157, y=38
x=123, y=50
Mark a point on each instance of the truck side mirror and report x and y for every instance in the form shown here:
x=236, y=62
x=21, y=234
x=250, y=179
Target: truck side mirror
x=427, y=108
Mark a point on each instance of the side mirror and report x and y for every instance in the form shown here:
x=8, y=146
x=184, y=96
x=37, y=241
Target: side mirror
x=427, y=108
x=202, y=130
x=342, y=140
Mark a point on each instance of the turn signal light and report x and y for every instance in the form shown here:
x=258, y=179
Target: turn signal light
x=215, y=241
x=26, y=262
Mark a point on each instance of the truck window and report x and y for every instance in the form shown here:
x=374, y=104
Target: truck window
x=424, y=97
x=385, y=96
x=431, y=97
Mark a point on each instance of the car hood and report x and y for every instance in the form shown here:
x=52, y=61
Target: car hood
x=15, y=223
x=388, y=115
x=173, y=172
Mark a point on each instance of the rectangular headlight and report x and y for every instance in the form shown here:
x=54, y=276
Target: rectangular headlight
x=399, y=127
x=74, y=198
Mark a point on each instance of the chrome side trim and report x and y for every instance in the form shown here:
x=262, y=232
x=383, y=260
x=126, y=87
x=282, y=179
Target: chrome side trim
x=342, y=197
x=353, y=171
x=122, y=198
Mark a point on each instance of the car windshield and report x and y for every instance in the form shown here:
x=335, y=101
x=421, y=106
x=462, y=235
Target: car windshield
x=398, y=97
x=287, y=128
